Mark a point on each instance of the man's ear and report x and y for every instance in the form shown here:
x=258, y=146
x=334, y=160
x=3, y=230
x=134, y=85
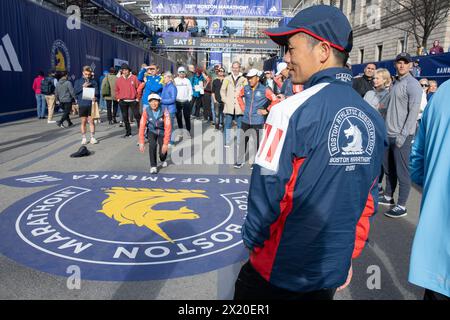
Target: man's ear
x=324, y=51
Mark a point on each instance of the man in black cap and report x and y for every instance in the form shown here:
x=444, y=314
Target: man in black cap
x=401, y=118
x=314, y=185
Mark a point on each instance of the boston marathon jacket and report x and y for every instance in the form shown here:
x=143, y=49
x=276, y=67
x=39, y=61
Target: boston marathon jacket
x=314, y=187
x=256, y=98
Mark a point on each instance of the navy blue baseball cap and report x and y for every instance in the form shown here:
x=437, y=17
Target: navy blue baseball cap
x=325, y=23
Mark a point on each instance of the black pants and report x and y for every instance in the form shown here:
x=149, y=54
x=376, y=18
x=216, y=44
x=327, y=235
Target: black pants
x=251, y=286
x=153, y=141
x=207, y=112
x=67, y=107
x=396, y=169
x=124, y=106
x=245, y=127
x=111, y=108
x=218, y=109
x=434, y=296
x=184, y=111
x=197, y=105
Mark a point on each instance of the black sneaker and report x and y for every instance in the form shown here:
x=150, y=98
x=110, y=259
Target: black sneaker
x=382, y=200
x=127, y=136
x=396, y=212
x=71, y=124
x=238, y=165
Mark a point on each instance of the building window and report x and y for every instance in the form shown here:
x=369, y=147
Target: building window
x=379, y=52
x=341, y=5
x=401, y=46
x=368, y=2
x=353, y=6
x=361, y=56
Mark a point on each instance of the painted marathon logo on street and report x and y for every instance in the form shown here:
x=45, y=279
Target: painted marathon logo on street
x=120, y=226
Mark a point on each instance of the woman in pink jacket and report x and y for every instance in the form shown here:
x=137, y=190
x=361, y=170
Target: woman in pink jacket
x=40, y=98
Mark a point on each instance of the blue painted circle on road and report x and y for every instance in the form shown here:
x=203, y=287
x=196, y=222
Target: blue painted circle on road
x=126, y=226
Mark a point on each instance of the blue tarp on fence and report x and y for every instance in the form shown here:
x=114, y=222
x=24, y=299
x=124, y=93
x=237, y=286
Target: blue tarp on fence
x=33, y=38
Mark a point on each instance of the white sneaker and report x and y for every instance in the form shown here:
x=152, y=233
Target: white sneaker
x=51, y=121
x=153, y=170
x=83, y=141
x=164, y=164
x=93, y=140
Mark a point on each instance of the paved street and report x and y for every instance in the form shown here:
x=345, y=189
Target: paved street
x=31, y=146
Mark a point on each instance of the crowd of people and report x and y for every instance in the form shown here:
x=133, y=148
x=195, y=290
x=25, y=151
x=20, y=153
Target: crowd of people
x=312, y=193
x=214, y=96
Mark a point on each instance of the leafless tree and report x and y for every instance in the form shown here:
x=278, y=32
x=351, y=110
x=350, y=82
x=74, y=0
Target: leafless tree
x=421, y=16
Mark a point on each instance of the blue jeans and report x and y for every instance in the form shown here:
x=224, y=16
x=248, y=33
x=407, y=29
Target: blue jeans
x=172, y=122
x=228, y=124
x=41, y=105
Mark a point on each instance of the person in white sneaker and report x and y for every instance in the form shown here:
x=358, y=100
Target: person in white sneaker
x=85, y=105
x=157, y=124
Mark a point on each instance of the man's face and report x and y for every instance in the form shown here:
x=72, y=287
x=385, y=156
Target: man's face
x=403, y=67
x=235, y=68
x=87, y=74
x=268, y=75
x=154, y=104
x=303, y=61
x=182, y=75
x=221, y=73
x=369, y=71
x=253, y=81
x=152, y=70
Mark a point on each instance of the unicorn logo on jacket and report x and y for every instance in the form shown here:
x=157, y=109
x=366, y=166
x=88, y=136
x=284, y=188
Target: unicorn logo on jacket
x=354, y=146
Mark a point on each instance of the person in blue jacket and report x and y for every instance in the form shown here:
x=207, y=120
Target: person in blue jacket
x=430, y=169
x=198, y=85
x=153, y=81
x=313, y=188
x=169, y=99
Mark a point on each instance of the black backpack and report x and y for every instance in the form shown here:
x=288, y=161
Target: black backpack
x=47, y=86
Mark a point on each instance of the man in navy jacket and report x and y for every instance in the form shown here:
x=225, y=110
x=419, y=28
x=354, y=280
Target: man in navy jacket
x=314, y=186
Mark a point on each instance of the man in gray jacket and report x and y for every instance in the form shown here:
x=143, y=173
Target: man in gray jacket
x=65, y=95
x=401, y=118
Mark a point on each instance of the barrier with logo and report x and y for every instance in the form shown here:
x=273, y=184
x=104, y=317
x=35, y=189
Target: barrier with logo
x=126, y=226
x=33, y=38
x=433, y=67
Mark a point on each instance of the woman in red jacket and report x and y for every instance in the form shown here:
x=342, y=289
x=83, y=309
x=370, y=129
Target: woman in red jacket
x=156, y=125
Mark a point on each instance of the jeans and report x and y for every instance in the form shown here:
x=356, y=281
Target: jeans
x=172, y=123
x=218, y=114
x=228, y=124
x=197, y=106
x=245, y=127
x=41, y=105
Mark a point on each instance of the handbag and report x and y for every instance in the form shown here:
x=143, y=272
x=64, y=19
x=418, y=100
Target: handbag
x=95, y=112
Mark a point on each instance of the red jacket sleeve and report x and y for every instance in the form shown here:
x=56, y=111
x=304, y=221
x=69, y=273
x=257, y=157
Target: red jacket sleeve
x=118, y=89
x=363, y=226
x=272, y=97
x=240, y=100
x=167, y=127
x=143, y=126
x=140, y=90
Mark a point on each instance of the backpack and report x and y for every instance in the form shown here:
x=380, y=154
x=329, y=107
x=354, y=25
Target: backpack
x=47, y=86
x=106, y=88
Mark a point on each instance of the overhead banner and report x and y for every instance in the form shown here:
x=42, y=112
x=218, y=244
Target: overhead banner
x=223, y=8
x=216, y=43
x=215, y=58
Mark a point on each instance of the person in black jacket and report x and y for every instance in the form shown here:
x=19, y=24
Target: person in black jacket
x=365, y=83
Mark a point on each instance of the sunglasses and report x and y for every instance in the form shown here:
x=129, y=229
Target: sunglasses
x=425, y=85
